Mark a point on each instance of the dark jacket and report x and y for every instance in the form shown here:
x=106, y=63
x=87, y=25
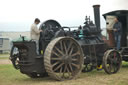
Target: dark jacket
x=118, y=27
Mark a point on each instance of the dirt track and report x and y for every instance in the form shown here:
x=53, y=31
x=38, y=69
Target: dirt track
x=5, y=61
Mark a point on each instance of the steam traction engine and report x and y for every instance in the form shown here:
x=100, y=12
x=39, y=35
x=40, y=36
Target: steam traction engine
x=65, y=52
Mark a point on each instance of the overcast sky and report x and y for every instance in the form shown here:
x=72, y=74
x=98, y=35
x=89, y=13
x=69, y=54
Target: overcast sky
x=18, y=15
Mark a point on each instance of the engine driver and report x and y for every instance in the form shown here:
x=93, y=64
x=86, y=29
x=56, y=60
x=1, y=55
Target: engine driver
x=35, y=34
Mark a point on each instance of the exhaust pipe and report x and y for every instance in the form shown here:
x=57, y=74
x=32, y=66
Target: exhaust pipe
x=97, y=16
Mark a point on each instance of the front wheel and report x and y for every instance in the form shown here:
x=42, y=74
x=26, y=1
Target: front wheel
x=112, y=61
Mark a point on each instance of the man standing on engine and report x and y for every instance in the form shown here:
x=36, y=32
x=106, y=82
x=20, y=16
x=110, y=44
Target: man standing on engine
x=35, y=34
x=117, y=28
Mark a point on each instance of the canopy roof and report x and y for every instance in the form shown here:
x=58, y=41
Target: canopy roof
x=116, y=13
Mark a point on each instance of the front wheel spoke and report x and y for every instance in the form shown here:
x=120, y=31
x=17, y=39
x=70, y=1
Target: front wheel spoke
x=114, y=54
x=110, y=60
x=55, y=63
x=110, y=67
x=59, y=51
x=75, y=65
x=59, y=66
x=118, y=61
x=115, y=68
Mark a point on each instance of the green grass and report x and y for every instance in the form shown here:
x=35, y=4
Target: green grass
x=4, y=56
x=10, y=76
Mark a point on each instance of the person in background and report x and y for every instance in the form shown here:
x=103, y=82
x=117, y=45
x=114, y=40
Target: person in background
x=35, y=34
x=117, y=29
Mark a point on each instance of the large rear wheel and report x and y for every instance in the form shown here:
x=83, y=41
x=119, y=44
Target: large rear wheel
x=63, y=58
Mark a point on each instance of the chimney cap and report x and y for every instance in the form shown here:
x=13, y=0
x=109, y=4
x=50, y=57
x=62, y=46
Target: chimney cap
x=96, y=5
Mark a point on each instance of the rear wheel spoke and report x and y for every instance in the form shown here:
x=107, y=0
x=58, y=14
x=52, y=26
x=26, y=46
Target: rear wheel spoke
x=65, y=68
x=55, y=53
x=59, y=51
x=61, y=46
x=74, y=59
x=68, y=72
x=56, y=59
x=59, y=66
x=65, y=48
x=70, y=67
x=75, y=65
x=60, y=70
x=55, y=63
x=77, y=53
x=71, y=51
x=69, y=46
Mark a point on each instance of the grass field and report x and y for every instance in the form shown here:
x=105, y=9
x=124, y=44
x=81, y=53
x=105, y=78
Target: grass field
x=10, y=76
x=4, y=56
